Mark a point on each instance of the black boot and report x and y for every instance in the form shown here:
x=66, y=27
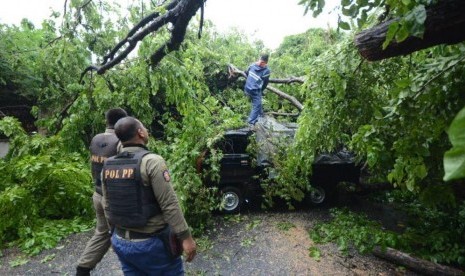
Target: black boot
x=83, y=271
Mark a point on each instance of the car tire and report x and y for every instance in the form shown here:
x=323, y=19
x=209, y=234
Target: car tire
x=231, y=200
x=319, y=196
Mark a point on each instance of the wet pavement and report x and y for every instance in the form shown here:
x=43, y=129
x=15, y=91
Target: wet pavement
x=252, y=243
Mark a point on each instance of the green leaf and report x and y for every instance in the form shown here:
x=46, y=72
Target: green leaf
x=315, y=253
x=344, y=25
x=364, y=16
x=420, y=14
x=421, y=171
x=353, y=10
x=454, y=159
x=403, y=94
x=403, y=83
x=456, y=130
x=345, y=3
x=454, y=164
x=346, y=12
x=18, y=262
x=410, y=184
x=406, y=2
x=402, y=33
x=48, y=258
x=417, y=30
x=391, y=33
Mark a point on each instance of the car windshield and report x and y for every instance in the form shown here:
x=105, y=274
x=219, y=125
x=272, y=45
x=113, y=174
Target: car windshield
x=270, y=134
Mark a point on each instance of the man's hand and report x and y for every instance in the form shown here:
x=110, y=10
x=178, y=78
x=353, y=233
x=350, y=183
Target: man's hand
x=189, y=247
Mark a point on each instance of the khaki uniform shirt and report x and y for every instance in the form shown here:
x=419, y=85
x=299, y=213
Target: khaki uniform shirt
x=155, y=172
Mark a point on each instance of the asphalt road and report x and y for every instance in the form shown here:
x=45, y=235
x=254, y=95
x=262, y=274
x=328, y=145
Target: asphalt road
x=253, y=243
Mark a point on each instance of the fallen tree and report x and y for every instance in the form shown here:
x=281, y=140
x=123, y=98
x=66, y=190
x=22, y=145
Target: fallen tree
x=444, y=24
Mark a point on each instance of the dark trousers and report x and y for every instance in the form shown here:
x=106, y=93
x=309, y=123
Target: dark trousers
x=257, y=109
x=145, y=257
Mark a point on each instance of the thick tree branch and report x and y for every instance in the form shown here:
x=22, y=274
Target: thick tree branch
x=288, y=97
x=444, y=24
x=202, y=13
x=415, y=264
x=234, y=73
x=288, y=80
x=178, y=12
x=183, y=12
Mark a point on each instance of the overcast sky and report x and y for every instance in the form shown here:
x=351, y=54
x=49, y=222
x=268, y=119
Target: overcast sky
x=268, y=20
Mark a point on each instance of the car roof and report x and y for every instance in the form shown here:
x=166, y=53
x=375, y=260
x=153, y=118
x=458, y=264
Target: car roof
x=239, y=132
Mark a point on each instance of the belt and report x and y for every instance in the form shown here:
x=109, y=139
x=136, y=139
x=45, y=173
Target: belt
x=132, y=235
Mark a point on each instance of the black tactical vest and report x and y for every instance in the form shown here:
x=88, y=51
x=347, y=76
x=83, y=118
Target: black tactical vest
x=103, y=145
x=130, y=203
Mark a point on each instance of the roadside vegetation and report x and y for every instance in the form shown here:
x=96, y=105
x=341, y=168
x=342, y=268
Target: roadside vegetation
x=396, y=115
x=433, y=234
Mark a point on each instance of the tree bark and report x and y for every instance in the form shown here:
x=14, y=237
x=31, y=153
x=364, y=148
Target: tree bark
x=444, y=24
x=288, y=80
x=415, y=264
x=288, y=97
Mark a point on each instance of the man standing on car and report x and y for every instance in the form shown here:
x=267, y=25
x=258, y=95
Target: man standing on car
x=102, y=146
x=141, y=204
x=258, y=75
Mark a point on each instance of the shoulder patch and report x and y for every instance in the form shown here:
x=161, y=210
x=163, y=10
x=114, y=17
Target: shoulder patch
x=166, y=175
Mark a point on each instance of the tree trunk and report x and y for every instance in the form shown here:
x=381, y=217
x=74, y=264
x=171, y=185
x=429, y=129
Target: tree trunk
x=445, y=24
x=415, y=264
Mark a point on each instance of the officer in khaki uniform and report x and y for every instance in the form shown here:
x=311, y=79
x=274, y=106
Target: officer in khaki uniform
x=102, y=146
x=140, y=203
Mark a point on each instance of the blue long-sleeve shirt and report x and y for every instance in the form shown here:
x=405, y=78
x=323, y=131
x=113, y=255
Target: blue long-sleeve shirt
x=257, y=77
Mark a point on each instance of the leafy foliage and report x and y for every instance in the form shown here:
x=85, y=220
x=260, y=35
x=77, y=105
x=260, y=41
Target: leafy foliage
x=285, y=226
x=349, y=229
x=315, y=253
x=435, y=234
x=17, y=50
x=44, y=195
x=393, y=114
x=454, y=159
x=410, y=14
x=400, y=133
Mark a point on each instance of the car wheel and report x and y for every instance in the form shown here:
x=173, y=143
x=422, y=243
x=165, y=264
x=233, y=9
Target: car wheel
x=317, y=195
x=231, y=200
